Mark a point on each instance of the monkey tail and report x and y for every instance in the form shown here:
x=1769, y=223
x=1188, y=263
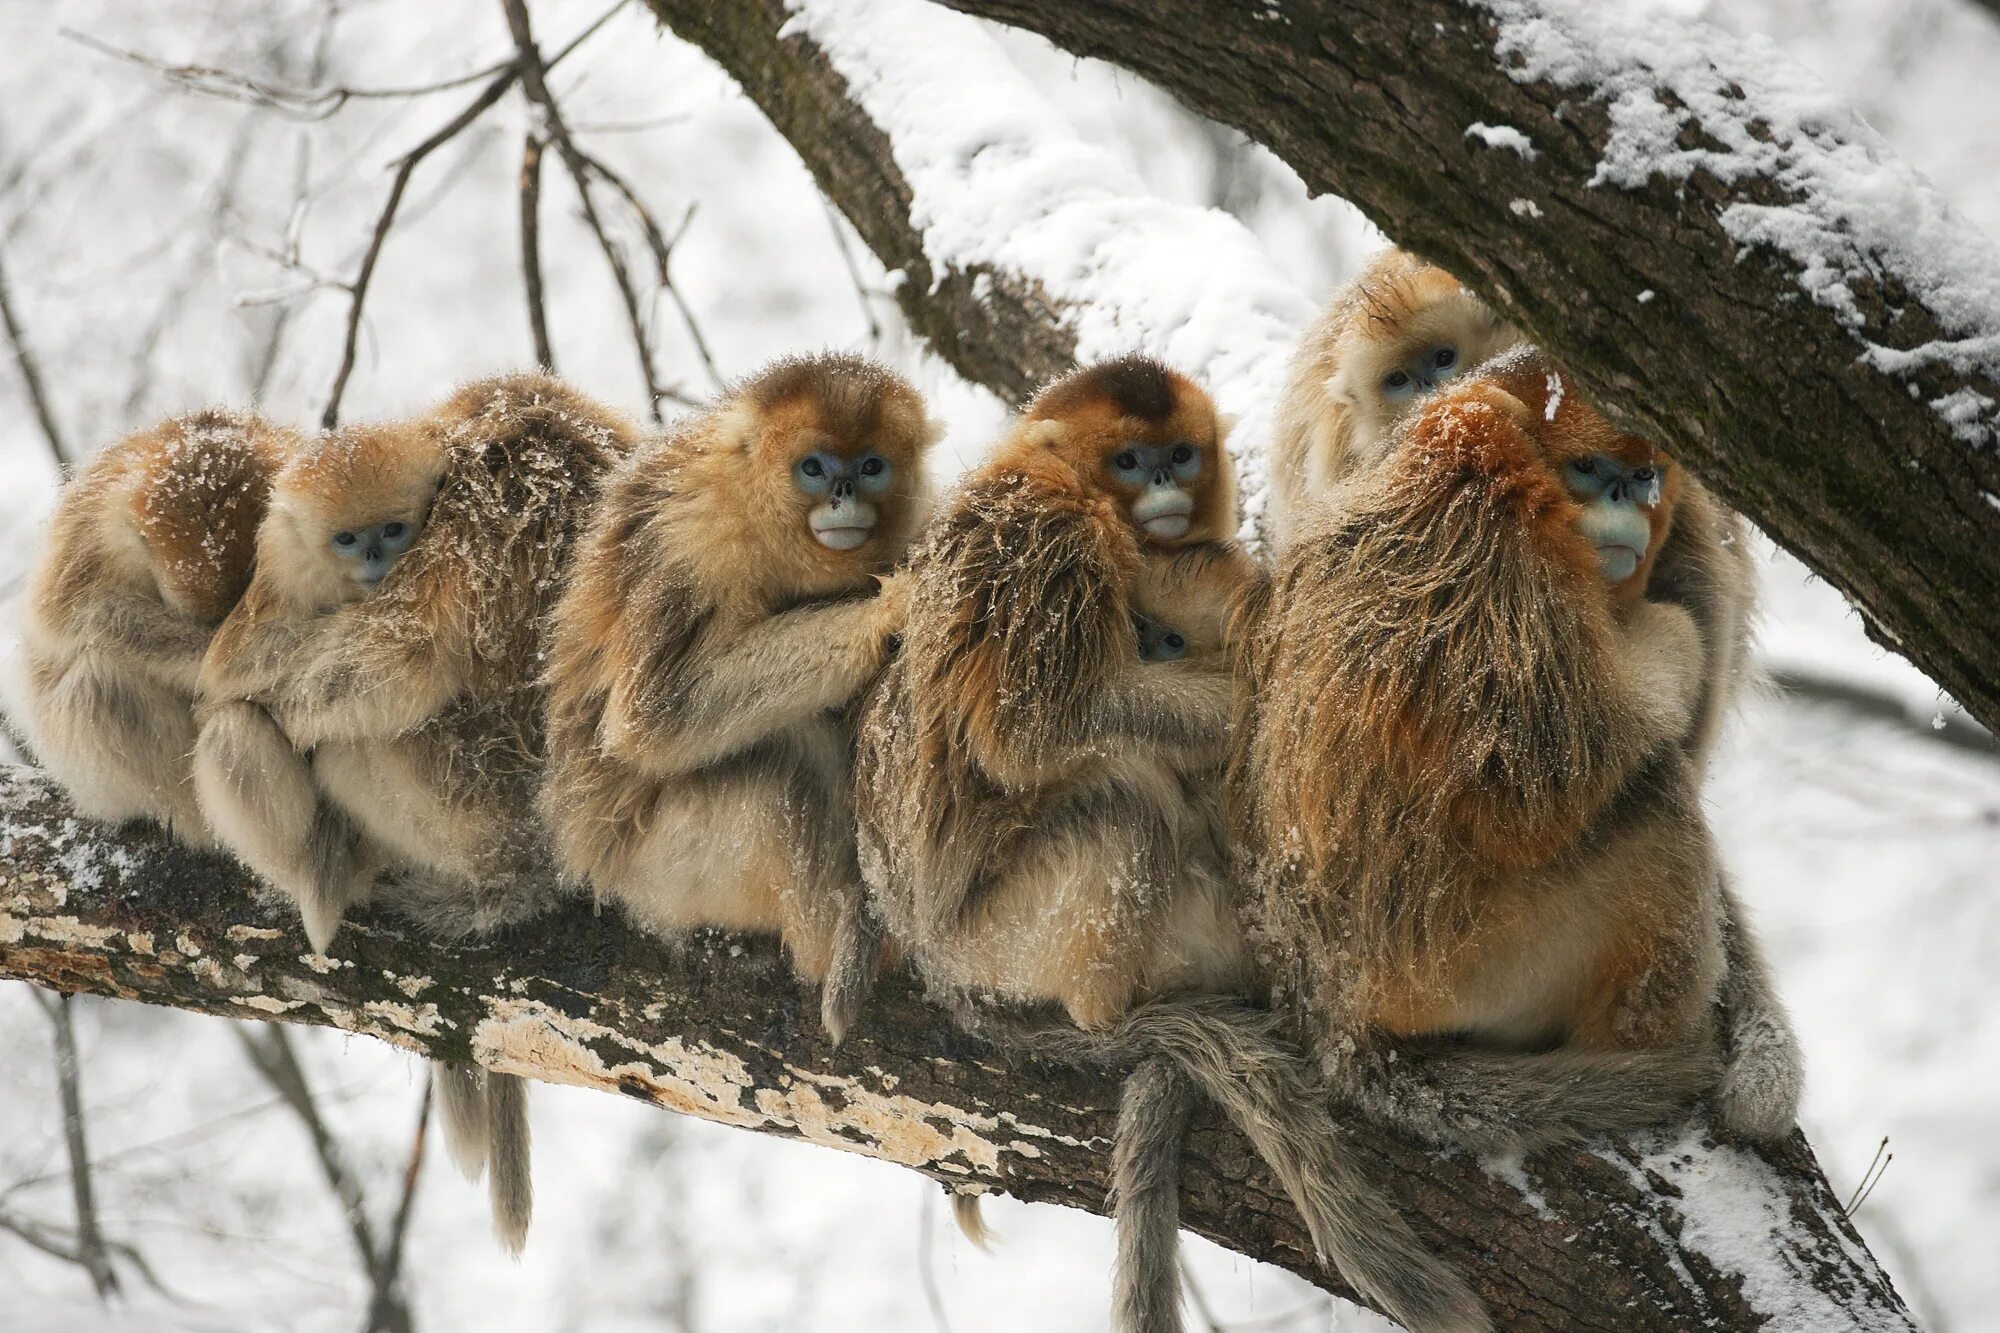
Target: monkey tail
x=1502, y=1101
x=1234, y=1055
x=1221, y=1048
x=857, y=946
x=971, y=1221
x=485, y=1121
x=1153, y=1114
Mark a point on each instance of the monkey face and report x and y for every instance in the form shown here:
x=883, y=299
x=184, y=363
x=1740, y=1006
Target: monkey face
x=1619, y=503
x=845, y=491
x=1146, y=435
x=1414, y=329
x=371, y=551
x=1160, y=481
x=1159, y=643
x=344, y=513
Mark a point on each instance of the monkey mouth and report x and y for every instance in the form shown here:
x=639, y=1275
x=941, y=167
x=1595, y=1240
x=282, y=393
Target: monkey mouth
x=1167, y=527
x=1618, y=562
x=842, y=539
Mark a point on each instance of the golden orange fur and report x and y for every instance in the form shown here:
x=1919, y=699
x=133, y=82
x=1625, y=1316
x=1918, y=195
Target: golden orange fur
x=1334, y=419
x=1026, y=786
x=1468, y=776
x=705, y=651
x=150, y=547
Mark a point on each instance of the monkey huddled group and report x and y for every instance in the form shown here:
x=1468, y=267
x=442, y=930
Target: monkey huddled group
x=1405, y=823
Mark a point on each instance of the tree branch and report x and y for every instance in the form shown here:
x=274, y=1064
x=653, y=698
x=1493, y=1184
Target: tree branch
x=1715, y=258
x=31, y=374
x=1662, y=1231
x=91, y=1251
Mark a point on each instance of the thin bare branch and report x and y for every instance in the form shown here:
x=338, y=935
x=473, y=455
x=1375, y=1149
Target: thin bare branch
x=270, y=1051
x=862, y=295
x=532, y=72
x=926, y=1265
x=309, y=104
x=91, y=1252
x=405, y=167
x=531, y=249
x=31, y=375
x=1947, y=724
x=386, y=1304
x=662, y=247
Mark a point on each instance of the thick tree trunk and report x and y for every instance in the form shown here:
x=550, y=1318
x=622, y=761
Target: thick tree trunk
x=1662, y=1232
x=1740, y=297
x=1835, y=377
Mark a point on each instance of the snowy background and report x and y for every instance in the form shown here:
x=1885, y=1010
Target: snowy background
x=165, y=249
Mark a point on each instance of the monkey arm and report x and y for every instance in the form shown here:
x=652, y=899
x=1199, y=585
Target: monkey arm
x=1763, y=1070
x=356, y=681
x=144, y=630
x=722, y=697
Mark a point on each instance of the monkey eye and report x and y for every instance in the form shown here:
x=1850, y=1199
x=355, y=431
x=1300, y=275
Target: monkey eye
x=812, y=467
x=871, y=466
x=1183, y=453
x=1127, y=461
x=1396, y=379
x=1175, y=641
x=1445, y=356
x=1642, y=475
x=393, y=529
x=344, y=539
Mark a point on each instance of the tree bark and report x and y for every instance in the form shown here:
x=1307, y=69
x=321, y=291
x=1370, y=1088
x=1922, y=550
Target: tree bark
x=990, y=325
x=1763, y=392
x=1662, y=1231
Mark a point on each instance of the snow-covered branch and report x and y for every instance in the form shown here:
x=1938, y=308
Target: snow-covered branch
x=1729, y=259
x=1020, y=246
x=1664, y=1231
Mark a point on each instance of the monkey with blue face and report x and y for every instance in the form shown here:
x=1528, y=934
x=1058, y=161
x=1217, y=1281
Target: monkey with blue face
x=728, y=605
x=1397, y=334
x=373, y=704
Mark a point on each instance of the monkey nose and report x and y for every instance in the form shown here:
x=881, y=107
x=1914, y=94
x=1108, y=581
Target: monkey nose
x=372, y=554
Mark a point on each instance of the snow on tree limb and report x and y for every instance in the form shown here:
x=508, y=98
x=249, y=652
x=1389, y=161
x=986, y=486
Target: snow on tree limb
x=991, y=181
x=1662, y=1231
x=1724, y=256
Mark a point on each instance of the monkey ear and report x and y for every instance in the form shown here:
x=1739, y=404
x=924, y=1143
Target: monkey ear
x=736, y=428
x=1043, y=434
x=933, y=432
x=1225, y=422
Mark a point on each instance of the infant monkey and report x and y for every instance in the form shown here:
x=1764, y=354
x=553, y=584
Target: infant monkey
x=373, y=702
x=1506, y=924
x=1038, y=794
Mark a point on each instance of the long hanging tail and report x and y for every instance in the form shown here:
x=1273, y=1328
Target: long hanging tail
x=1234, y=1055
x=1153, y=1114
x=485, y=1121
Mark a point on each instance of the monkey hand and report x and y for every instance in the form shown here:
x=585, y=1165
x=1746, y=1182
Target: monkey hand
x=892, y=607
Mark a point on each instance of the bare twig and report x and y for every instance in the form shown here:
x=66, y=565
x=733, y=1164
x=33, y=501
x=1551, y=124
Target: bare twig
x=531, y=249
x=405, y=167
x=926, y=1269
x=861, y=292
x=1199, y=1300
x=31, y=375
x=662, y=247
x=270, y=1051
x=57, y=1244
x=90, y=1248
x=386, y=1304
x=293, y=102
x=532, y=72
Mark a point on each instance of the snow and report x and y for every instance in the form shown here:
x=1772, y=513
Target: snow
x=1684, y=99
x=1000, y=179
x=1865, y=850
x=1502, y=136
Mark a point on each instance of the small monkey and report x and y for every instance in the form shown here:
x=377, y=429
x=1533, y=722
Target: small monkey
x=373, y=702
x=1473, y=730
x=1038, y=799
x=150, y=547
x=1396, y=334
x=728, y=605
